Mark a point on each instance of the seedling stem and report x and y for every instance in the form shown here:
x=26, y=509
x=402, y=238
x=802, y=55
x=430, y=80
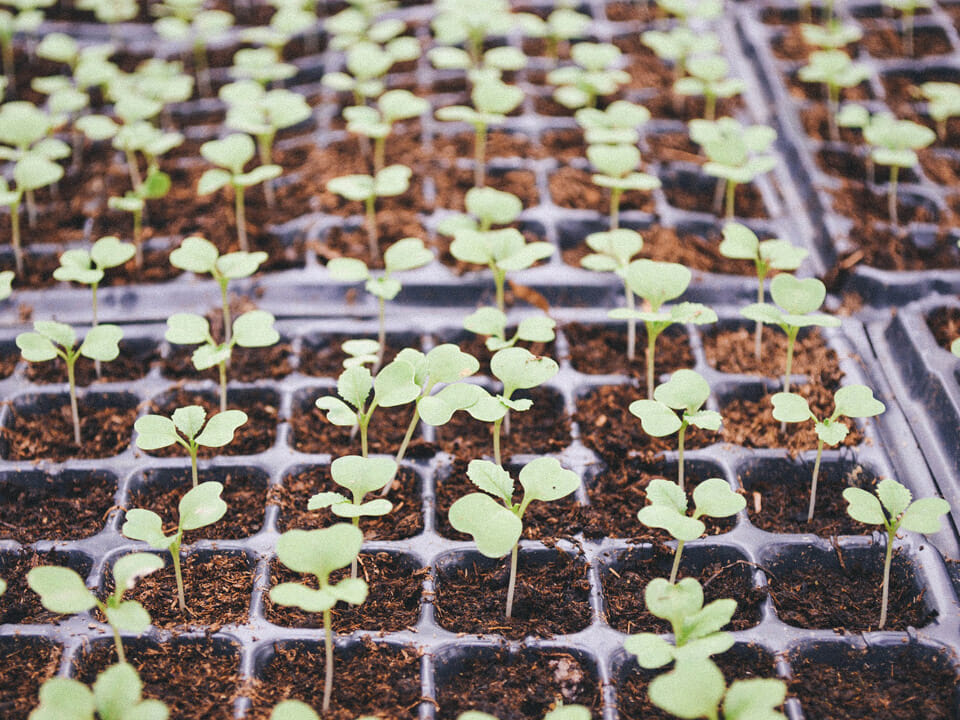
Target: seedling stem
x=892, y=194
x=731, y=191
x=74, y=412
x=241, y=219
x=513, y=579
x=328, y=664
x=479, y=155
x=615, y=194
x=373, y=245
x=15, y=237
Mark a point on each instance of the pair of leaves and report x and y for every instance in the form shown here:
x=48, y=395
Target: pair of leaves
x=492, y=322
x=87, y=267
x=892, y=508
x=741, y=243
x=696, y=688
x=505, y=249
x=50, y=339
x=359, y=475
x=797, y=300
x=116, y=695
x=188, y=426
x=199, y=507
x=854, y=401
x=612, y=250
x=394, y=385
x=198, y=255
x=406, y=254
x=390, y=181
x=232, y=153
x=252, y=329
x=668, y=506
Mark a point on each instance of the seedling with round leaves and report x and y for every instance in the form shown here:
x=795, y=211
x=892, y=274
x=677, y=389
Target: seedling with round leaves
x=116, y=695
x=50, y=340
x=185, y=21
x=679, y=43
x=686, y=391
x=391, y=181
x=668, y=510
x=320, y=552
x=707, y=77
x=63, y=591
x=943, y=103
x=155, y=186
x=362, y=21
x=689, y=10
x=376, y=123
x=261, y=64
x=496, y=527
x=834, y=35
x=470, y=23
x=252, y=329
x=616, y=125
x=87, y=267
x=199, y=507
x=288, y=20
x=852, y=401
x=492, y=100
x=230, y=155
x=796, y=302
x=593, y=76
x=560, y=26
x=403, y=255
x=189, y=428
x=366, y=65
x=27, y=20
x=894, y=509
x=741, y=243
x=656, y=283
x=560, y=712
x=836, y=71
x=908, y=9
x=111, y=12
x=616, y=167
x=490, y=322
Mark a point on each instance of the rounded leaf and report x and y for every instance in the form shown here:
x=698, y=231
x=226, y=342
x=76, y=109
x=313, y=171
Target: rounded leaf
x=495, y=529
x=130, y=568
x=221, y=427
x=656, y=282
x=61, y=589
x=232, y=152
x=202, y=505
x=147, y=526
x=187, y=329
x=101, y=343
x=319, y=552
x=715, y=498
x=110, y=251
x=255, y=329
x=546, y=480
x=857, y=401
x=293, y=710
x=35, y=347
x=864, y=507
x=518, y=368
x=656, y=418
x=362, y=475
x=685, y=390
x=128, y=616
x=195, y=254
x=797, y=297
x=790, y=407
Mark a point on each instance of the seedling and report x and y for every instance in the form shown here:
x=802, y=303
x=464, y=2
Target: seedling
x=31, y=172
x=593, y=76
x=111, y=11
x=617, y=125
x=189, y=428
x=367, y=63
x=492, y=323
x=708, y=78
x=616, y=169
x=393, y=180
x=28, y=18
x=679, y=43
x=894, y=510
x=943, y=103
x=252, y=329
x=470, y=23
x=261, y=64
x=230, y=155
x=199, y=507
x=836, y=70
x=360, y=352
x=658, y=282
x=187, y=21
x=497, y=528
x=406, y=254
x=320, y=552
x=908, y=9
x=117, y=695
x=562, y=25
x=63, y=591
x=686, y=391
x=376, y=124
x=87, y=268
x=687, y=10
x=832, y=36
x=155, y=186
x=492, y=100
x=50, y=340
x=361, y=21
x=955, y=347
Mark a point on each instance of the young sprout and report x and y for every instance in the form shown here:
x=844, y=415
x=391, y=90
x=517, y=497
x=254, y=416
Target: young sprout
x=593, y=75
x=187, y=21
x=617, y=125
x=86, y=267
x=50, y=340
x=943, y=103
x=686, y=391
x=562, y=25
x=832, y=36
x=320, y=552
x=27, y=20
x=367, y=63
x=492, y=323
x=796, y=300
x=741, y=243
x=261, y=64
x=117, y=695
x=656, y=283
x=708, y=77
x=470, y=23
x=111, y=11
x=189, y=428
x=360, y=352
x=836, y=70
x=908, y=8
x=361, y=21
x=612, y=252
x=62, y=590
x=894, y=510
x=492, y=100
x=376, y=123
x=199, y=507
x=252, y=329
x=616, y=169
x=852, y=401
x=405, y=254
x=391, y=181
x=955, y=347
x=497, y=528
x=679, y=43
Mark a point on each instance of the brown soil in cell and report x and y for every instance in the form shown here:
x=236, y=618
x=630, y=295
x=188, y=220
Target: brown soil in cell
x=730, y=350
x=392, y=604
x=665, y=105
x=903, y=91
x=867, y=208
x=404, y=521
x=887, y=249
x=447, y=148
x=907, y=687
x=573, y=188
x=884, y=41
x=791, y=15
x=216, y=587
x=244, y=492
x=311, y=432
x=812, y=591
x=25, y=664
x=104, y=432
x=944, y=323
x=8, y=362
x=748, y=202
x=392, y=225
x=453, y=183
x=544, y=428
x=254, y=436
x=325, y=359
x=565, y=144
x=37, y=269
x=673, y=147
x=56, y=508
x=369, y=679
x=815, y=119
x=156, y=267
x=646, y=70
x=790, y=45
x=195, y=679
x=246, y=364
x=817, y=92
x=851, y=166
x=518, y=686
x=632, y=12
x=20, y=604
x=942, y=169
x=602, y=350
x=133, y=363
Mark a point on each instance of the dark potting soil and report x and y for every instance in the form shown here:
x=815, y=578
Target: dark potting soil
x=815, y=119
x=573, y=188
x=352, y=241
x=133, y=363
x=523, y=685
x=563, y=144
x=104, y=430
x=369, y=679
x=867, y=208
x=675, y=147
x=392, y=604
x=403, y=521
x=814, y=592
x=311, y=432
x=453, y=183
x=246, y=364
x=196, y=679
x=943, y=169
x=730, y=350
x=944, y=323
x=551, y=597
x=626, y=578
x=325, y=358
x=748, y=202
x=9, y=357
x=448, y=148
x=632, y=12
x=602, y=350
x=884, y=41
x=20, y=604
x=476, y=345
x=56, y=508
x=25, y=663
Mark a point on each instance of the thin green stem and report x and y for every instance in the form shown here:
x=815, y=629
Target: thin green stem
x=676, y=562
x=730, y=194
x=496, y=441
x=137, y=237
x=363, y=436
x=680, y=472
x=381, y=332
x=710, y=109
x=31, y=208
x=379, y=154
x=892, y=195
x=202, y=67
x=117, y=641
x=241, y=218
x=758, y=329
x=887, y=561
x=511, y=587
x=373, y=244
x=499, y=280
x=353, y=563
x=788, y=371
x=265, y=152
x=813, y=482
x=480, y=156
x=615, y=194
x=328, y=664
x=833, y=101
x=193, y=463
x=74, y=412
x=650, y=353
x=15, y=236
x=225, y=303
x=175, y=554
x=93, y=287
x=133, y=170
x=223, y=386
x=408, y=436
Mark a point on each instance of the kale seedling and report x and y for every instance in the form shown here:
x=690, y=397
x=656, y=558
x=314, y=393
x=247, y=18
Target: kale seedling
x=187, y=21
x=189, y=428
x=687, y=10
x=708, y=77
x=908, y=9
x=616, y=169
x=86, y=267
x=657, y=282
x=50, y=340
x=366, y=64
x=943, y=103
x=894, y=510
x=230, y=155
x=796, y=300
x=617, y=125
x=376, y=123
x=832, y=36
x=497, y=528
x=470, y=23
x=27, y=20
x=852, y=401
x=117, y=695
x=612, y=252
x=6, y=283
x=679, y=43
x=320, y=552
x=199, y=507
x=262, y=64
x=492, y=323
x=686, y=391
x=62, y=590
x=741, y=243
x=562, y=25
x=836, y=70
x=593, y=76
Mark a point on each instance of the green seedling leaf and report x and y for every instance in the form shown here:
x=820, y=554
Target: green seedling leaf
x=406, y=254
x=494, y=528
x=147, y=526
x=754, y=699
x=864, y=507
x=110, y=251
x=189, y=420
x=64, y=699
x=857, y=401
x=61, y=589
x=187, y=329
x=128, y=616
x=348, y=269
x=790, y=407
x=293, y=710
x=657, y=282
x=796, y=296
x=220, y=428
x=231, y=153
x=195, y=254
x=319, y=552
x=202, y=505
x=491, y=478
x=35, y=347
x=923, y=515
x=394, y=385
x=714, y=497
x=491, y=206
x=60, y=333
x=362, y=475
x=612, y=249
x=130, y=568
x=102, y=343
x=296, y=595
x=657, y=419
x=519, y=369
x=546, y=480
x=685, y=390
x=255, y=329
x=692, y=689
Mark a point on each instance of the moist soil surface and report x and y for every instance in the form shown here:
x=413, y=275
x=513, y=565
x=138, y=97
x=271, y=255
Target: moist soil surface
x=731, y=350
x=552, y=596
x=602, y=350
x=944, y=323
x=311, y=432
x=133, y=363
x=370, y=679
x=20, y=604
x=25, y=663
x=246, y=364
x=56, y=508
x=393, y=603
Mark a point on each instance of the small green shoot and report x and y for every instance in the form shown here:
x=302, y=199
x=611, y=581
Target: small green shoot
x=836, y=71
x=687, y=10
x=391, y=181
x=561, y=25
x=707, y=77
x=261, y=64
x=117, y=695
x=6, y=283
x=593, y=76
x=185, y=21
x=367, y=63
x=679, y=43
x=376, y=123
x=616, y=167
x=492, y=323
x=470, y=23
x=832, y=36
x=87, y=267
x=27, y=20
x=616, y=125
x=943, y=103
x=955, y=347
x=612, y=252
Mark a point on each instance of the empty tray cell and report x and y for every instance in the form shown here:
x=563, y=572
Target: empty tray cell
x=25, y=664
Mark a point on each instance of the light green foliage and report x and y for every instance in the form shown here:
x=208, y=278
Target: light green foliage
x=616, y=167
x=116, y=695
x=367, y=61
x=614, y=126
x=361, y=476
x=491, y=322
x=832, y=36
x=362, y=21
x=594, y=75
x=6, y=283
x=836, y=70
x=470, y=23
x=687, y=10
x=87, y=267
x=561, y=25
x=955, y=347
x=908, y=8
x=679, y=43
x=612, y=252
x=262, y=65
x=377, y=122
x=186, y=21
x=943, y=103
x=391, y=181
x=360, y=352
x=28, y=17
x=708, y=78
x=111, y=11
